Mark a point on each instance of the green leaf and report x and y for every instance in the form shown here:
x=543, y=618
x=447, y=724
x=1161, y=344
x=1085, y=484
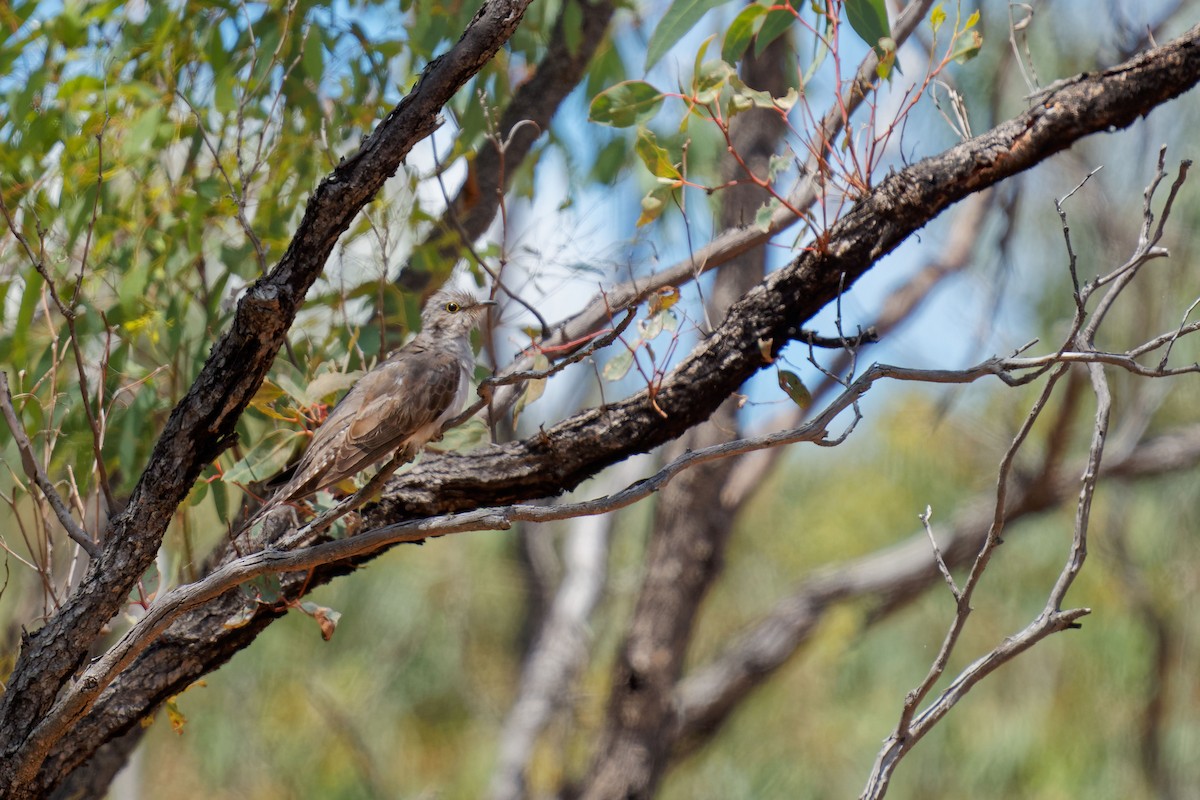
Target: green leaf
x=140, y=137
x=663, y=320
x=313, y=58
x=680, y=18
x=762, y=217
x=619, y=365
x=869, y=20
x=656, y=158
x=654, y=203
x=744, y=97
x=627, y=103
x=572, y=26
x=779, y=163
x=775, y=24
x=710, y=80
x=794, y=387
x=742, y=30
x=968, y=48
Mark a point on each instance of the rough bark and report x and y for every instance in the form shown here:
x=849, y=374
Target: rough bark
x=543, y=465
x=202, y=425
x=692, y=525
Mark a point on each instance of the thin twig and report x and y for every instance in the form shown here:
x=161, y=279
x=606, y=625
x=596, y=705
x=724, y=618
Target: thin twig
x=36, y=474
x=937, y=553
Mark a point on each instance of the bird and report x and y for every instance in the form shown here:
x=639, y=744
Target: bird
x=400, y=405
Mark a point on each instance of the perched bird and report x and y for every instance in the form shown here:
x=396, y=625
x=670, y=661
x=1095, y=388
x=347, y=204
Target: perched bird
x=401, y=404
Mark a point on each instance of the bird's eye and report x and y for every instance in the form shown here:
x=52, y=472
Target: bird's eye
x=453, y=308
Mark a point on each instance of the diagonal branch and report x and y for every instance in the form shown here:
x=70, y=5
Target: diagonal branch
x=202, y=425
x=562, y=456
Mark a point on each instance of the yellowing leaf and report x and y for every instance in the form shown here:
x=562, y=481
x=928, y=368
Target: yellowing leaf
x=653, y=204
x=178, y=720
x=937, y=17
x=794, y=387
x=656, y=158
x=533, y=389
x=663, y=299
x=241, y=618
x=327, y=619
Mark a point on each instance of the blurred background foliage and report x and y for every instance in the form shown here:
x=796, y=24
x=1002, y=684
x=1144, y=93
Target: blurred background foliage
x=157, y=156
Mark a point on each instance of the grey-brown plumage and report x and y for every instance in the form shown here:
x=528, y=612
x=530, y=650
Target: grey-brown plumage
x=401, y=404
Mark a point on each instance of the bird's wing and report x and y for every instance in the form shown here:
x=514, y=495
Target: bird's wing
x=386, y=407
x=408, y=397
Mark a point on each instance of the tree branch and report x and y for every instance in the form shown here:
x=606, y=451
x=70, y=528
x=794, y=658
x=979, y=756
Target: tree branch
x=202, y=425
x=561, y=457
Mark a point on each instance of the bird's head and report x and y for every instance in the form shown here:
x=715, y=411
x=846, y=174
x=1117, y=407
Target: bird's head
x=453, y=312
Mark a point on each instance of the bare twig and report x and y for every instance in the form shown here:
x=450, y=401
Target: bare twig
x=897, y=575
x=937, y=553
x=1081, y=339
x=735, y=242
x=36, y=474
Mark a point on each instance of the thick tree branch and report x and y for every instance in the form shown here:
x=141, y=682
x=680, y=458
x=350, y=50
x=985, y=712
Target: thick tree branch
x=562, y=456
x=202, y=425
x=692, y=527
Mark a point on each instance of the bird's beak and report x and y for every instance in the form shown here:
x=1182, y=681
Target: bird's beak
x=486, y=303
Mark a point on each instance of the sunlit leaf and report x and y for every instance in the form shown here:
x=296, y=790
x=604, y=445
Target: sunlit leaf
x=741, y=32
x=937, y=17
x=329, y=383
x=663, y=299
x=655, y=157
